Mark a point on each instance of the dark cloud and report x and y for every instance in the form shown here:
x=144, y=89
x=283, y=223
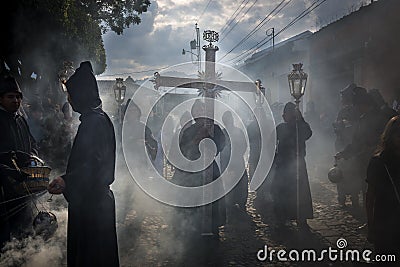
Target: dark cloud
x=168, y=27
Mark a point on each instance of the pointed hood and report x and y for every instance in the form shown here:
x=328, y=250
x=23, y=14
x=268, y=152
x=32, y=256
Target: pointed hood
x=83, y=90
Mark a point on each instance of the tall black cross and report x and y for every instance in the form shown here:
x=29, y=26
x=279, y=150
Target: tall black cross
x=209, y=87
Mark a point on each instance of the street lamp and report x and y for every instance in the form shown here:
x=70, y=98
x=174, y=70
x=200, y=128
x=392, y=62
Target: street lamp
x=297, y=82
x=190, y=52
x=297, y=85
x=119, y=93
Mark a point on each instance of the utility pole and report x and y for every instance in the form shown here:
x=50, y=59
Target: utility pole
x=273, y=37
x=195, y=45
x=198, y=47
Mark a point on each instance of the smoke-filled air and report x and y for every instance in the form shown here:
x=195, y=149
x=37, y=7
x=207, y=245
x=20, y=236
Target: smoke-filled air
x=199, y=133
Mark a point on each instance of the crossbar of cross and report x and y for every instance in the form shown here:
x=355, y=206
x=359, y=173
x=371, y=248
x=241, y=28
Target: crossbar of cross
x=209, y=85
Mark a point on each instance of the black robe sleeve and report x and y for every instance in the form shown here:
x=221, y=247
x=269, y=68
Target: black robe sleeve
x=91, y=164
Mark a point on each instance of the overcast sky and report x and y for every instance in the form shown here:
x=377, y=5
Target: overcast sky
x=169, y=25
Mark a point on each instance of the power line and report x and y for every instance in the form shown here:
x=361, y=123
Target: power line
x=266, y=21
x=237, y=14
x=255, y=28
x=229, y=21
x=204, y=10
x=263, y=42
x=239, y=20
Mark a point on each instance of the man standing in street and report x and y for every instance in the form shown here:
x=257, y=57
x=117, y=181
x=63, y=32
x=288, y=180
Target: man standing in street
x=15, y=214
x=92, y=239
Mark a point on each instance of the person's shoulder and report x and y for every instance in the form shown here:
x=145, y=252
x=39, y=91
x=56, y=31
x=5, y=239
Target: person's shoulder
x=281, y=126
x=95, y=119
x=21, y=119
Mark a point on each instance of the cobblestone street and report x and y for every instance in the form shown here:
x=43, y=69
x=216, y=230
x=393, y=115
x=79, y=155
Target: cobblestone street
x=147, y=237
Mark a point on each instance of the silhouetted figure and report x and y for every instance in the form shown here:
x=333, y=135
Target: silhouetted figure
x=185, y=121
x=284, y=185
x=387, y=111
x=237, y=197
x=91, y=236
x=16, y=214
x=383, y=193
x=254, y=135
x=133, y=140
x=344, y=127
x=133, y=119
x=369, y=126
x=189, y=145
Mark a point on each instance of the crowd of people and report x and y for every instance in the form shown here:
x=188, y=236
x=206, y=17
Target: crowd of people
x=88, y=163
x=367, y=149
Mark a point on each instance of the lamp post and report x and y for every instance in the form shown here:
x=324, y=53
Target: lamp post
x=271, y=32
x=119, y=93
x=195, y=45
x=297, y=84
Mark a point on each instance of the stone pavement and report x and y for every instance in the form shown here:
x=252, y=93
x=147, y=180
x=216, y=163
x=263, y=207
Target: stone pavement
x=147, y=237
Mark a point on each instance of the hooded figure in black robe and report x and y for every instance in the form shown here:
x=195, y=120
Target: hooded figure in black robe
x=189, y=144
x=92, y=239
x=284, y=184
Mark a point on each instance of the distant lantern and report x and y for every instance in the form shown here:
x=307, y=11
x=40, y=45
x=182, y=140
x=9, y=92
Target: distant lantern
x=119, y=90
x=297, y=81
x=65, y=73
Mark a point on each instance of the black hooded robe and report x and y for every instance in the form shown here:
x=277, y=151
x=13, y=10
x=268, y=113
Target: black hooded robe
x=284, y=184
x=92, y=239
x=190, y=149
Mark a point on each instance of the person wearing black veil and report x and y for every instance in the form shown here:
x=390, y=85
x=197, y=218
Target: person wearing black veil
x=284, y=185
x=91, y=236
x=189, y=144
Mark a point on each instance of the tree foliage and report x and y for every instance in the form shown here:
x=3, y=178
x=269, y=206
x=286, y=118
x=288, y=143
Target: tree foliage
x=38, y=35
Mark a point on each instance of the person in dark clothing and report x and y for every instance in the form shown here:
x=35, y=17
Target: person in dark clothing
x=369, y=126
x=133, y=139
x=344, y=126
x=134, y=119
x=15, y=214
x=92, y=239
x=287, y=205
x=383, y=199
x=237, y=197
x=387, y=111
x=254, y=134
x=184, y=122
x=189, y=145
